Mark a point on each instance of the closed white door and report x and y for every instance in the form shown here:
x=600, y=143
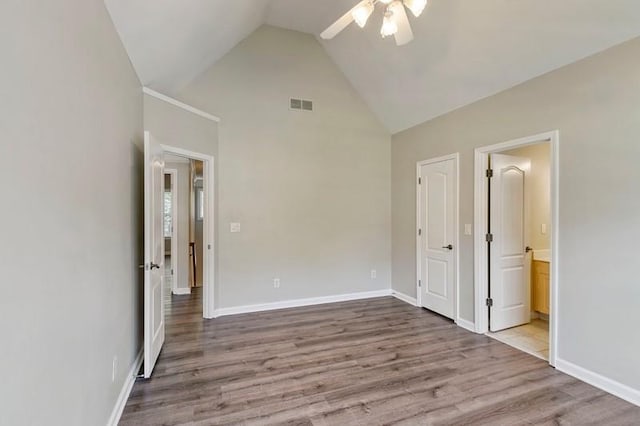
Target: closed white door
x=510, y=263
x=153, y=252
x=437, y=213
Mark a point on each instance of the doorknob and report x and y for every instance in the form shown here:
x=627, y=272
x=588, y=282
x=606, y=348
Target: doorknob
x=449, y=247
x=154, y=266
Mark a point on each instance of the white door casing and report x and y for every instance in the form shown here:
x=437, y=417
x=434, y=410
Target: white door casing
x=153, y=252
x=208, y=286
x=510, y=263
x=437, y=239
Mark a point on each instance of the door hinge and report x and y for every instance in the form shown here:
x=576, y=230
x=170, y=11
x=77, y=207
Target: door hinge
x=419, y=283
x=489, y=302
x=489, y=238
x=419, y=231
x=489, y=173
x=172, y=272
x=419, y=181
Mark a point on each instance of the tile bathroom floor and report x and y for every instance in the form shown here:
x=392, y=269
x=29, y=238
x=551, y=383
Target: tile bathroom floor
x=532, y=338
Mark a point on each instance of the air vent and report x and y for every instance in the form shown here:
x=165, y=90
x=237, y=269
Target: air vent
x=296, y=104
x=300, y=105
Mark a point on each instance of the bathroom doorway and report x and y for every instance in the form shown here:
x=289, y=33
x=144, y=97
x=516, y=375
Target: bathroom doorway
x=515, y=206
x=528, y=213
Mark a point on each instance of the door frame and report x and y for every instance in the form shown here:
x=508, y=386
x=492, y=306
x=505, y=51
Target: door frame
x=208, y=266
x=174, y=231
x=481, y=217
x=456, y=158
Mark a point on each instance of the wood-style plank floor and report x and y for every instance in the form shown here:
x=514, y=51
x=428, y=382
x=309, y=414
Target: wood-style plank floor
x=372, y=362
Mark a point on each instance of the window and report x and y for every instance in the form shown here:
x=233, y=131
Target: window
x=168, y=224
x=200, y=200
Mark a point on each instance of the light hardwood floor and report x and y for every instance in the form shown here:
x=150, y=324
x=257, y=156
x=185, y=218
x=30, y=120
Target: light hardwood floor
x=371, y=362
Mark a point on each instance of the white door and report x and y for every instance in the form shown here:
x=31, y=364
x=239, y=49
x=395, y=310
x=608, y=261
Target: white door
x=510, y=263
x=437, y=212
x=153, y=252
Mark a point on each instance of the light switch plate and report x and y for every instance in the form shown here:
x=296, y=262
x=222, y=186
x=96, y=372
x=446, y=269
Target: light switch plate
x=234, y=227
x=543, y=229
x=467, y=229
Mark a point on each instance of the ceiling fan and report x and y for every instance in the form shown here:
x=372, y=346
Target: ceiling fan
x=395, y=22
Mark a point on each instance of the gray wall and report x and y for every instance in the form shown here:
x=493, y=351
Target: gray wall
x=177, y=127
x=184, y=260
x=311, y=190
x=595, y=105
x=70, y=170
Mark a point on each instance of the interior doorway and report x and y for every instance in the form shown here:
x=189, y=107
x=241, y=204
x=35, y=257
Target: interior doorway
x=193, y=196
x=183, y=222
x=171, y=235
x=196, y=222
x=516, y=243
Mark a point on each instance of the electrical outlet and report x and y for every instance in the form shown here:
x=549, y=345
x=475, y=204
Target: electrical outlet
x=467, y=229
x=114, y=369
x=276, y=283
x=374, y=274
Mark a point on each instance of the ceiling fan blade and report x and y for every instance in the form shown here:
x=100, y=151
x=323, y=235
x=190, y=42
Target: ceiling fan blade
x=340, y=24
x=404, y=34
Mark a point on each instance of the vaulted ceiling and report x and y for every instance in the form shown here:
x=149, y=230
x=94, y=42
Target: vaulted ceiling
x=464, y=50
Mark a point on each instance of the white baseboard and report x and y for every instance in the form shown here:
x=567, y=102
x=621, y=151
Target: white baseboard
x=301, y=302
x=608, y=385
x=125, y=391
x=405, y=298
x=467, y=325
x=181, y=291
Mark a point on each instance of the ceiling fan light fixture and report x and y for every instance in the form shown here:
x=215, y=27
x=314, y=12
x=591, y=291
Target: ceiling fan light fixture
x=389, y=25
x=416, y=6
x=362, y=13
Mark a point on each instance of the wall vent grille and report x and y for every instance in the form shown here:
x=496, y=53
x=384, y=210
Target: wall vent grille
x=300, y=105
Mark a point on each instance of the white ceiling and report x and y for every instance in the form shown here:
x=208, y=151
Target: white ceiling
x=171, y=42
x=464, y=50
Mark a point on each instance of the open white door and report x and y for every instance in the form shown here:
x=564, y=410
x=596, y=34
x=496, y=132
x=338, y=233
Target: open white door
x=437, y=222
x=153, y=252
x=510, y=265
